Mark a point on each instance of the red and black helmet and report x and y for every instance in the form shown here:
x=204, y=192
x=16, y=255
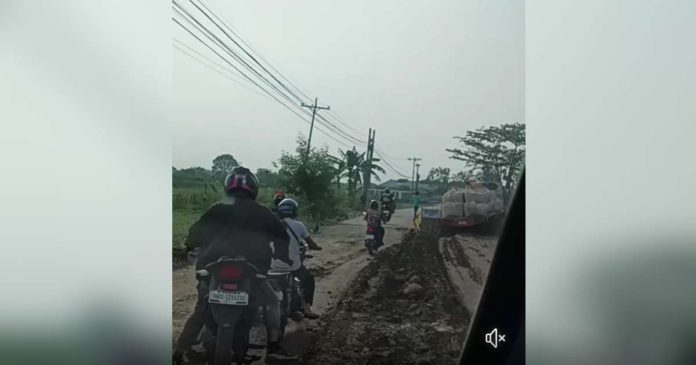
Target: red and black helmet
x=241, y=179
x=278, y=197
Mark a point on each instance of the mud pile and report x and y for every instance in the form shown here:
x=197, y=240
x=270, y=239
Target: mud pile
x=401, y=309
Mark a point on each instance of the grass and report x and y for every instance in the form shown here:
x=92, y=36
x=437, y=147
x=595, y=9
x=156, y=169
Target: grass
x=189, y=204
x=181, y=221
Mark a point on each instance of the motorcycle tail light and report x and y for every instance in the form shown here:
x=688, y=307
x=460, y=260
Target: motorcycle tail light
x=231, y=273
x=230, y=286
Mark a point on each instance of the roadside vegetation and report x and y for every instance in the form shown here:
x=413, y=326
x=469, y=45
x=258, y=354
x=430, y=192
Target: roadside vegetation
x=330, y=188
x=314, y=178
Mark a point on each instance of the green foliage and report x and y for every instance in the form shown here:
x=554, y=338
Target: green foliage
x=192, y=199
x=193, y=177
x=439, y=175
x=223, y=165
x=181, y=222
x=494, y=153
x=309, y=176
x=353, y=165
x=268, y=178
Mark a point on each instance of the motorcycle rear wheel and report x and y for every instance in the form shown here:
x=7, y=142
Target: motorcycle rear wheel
x=370, y=247
x=223, y=353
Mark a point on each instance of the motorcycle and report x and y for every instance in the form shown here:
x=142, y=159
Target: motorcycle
x=371, y=240
x=386, y=212
x=232, y=306
x=290, y=291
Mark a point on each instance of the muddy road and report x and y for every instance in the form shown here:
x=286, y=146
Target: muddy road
x=410, y=304
x=342, y=258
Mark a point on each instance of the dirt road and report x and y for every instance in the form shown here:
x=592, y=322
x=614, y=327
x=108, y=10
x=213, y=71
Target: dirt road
x=342, y=258
x=401, y=309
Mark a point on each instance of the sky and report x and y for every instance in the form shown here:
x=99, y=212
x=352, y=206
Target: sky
x=418, y=72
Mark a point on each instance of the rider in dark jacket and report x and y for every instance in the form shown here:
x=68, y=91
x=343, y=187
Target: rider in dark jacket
x=237, y=225
x=387, y=199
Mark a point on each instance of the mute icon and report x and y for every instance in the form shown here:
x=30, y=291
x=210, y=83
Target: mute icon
x=493, y=338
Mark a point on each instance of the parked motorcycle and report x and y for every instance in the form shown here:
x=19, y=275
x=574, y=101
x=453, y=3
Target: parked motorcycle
x=232, y=307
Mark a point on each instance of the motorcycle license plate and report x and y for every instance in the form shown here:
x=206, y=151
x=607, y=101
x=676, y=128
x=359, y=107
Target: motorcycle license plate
x=369, y=236
x=228, y=298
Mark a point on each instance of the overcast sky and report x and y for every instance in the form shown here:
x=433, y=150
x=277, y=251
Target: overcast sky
x=419, y=72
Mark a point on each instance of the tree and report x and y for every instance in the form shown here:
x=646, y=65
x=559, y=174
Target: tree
x=223, y=165
x=310, y=176
x=355, y=165
x=439, y=175
x=496, y=152
x=267, y=178
x=194, y=177
x=351, y=160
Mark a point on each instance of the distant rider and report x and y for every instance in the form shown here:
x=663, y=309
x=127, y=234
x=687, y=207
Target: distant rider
x=374, y=219
x=287, y=210
x=387, y=199
x=237, y=225
x=277, y=198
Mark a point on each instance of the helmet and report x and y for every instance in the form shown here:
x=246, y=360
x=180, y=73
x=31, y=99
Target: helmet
x=278, y=197
x=387, y=190
x=373, y=204
x=288, y=208
x=240, y=179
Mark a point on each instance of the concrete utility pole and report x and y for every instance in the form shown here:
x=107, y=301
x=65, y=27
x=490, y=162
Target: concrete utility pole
x=314, y=107
x=413, y=171
x=417, y=175
x=367, y=174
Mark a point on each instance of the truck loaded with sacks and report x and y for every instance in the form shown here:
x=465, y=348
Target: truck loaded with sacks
x=476, y=204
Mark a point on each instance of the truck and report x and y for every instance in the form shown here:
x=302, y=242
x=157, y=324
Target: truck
x=452, y=215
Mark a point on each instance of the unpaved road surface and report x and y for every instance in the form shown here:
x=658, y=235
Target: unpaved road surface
x=467, y=259
x=342, y=258
x=401, y=309
x=411, y=304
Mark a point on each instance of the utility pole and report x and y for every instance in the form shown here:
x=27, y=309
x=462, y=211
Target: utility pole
x=417, y=175
x=314, y=107
x=413, y=171
x=367, y=174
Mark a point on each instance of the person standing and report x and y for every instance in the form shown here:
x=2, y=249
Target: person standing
x=416, y=203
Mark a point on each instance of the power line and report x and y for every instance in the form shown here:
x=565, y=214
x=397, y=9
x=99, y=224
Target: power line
x=210, y=35
x=259, y=55
x=339, y=130
x=392, y=168
x=390, y=156
x=218, y=18
x=243, y=49
x=229, y=75
x=257, y=85
x=209, y=14
x=340, y=121
x=188, y=17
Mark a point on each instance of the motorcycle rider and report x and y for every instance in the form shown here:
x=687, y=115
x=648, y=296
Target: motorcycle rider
x=287, y=210
x=374, y=219
x=387, y=198
x=237, y=225
x=277, y=198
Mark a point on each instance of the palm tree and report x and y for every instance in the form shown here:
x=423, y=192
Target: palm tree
x=340, y=168
x=355, y=165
